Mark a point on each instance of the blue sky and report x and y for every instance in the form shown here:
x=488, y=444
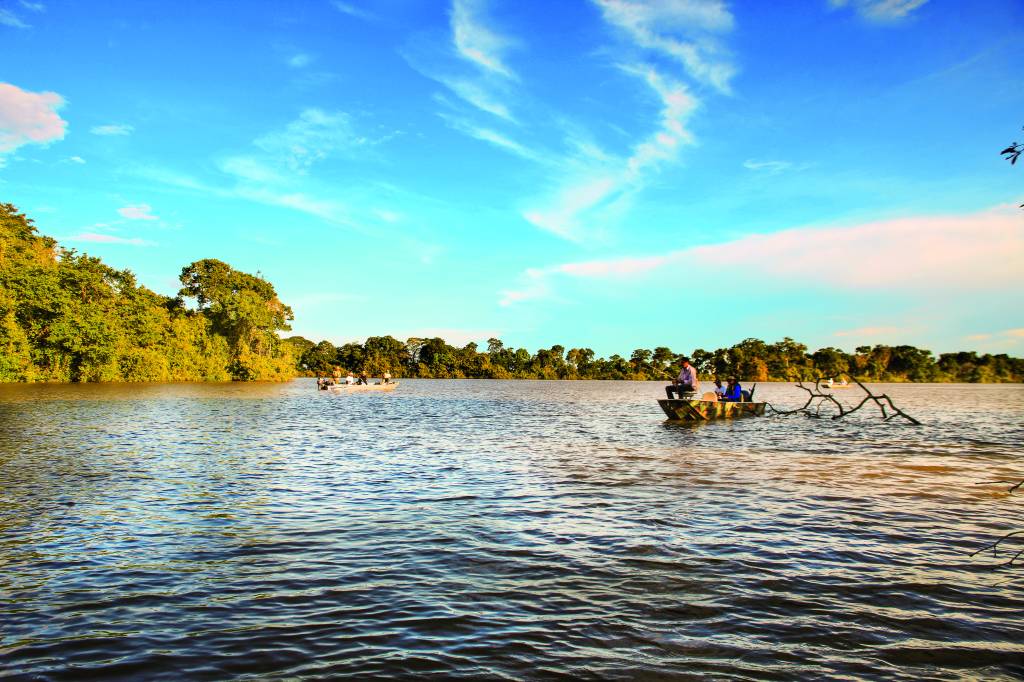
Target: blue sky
x=609, y=173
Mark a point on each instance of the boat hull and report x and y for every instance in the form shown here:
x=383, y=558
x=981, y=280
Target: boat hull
x=706, y=410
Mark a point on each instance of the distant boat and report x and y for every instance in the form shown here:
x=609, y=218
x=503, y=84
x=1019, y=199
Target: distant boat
x=708, y=408
x=359, y=388
x=829, y=383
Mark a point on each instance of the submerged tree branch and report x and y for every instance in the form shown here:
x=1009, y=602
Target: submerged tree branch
x=818, y=398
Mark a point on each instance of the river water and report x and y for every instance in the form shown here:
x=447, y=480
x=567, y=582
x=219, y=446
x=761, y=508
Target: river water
x=502, y=530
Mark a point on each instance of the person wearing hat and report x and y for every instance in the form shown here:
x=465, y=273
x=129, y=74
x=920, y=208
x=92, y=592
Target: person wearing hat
x=733, y=392
x=686, y=382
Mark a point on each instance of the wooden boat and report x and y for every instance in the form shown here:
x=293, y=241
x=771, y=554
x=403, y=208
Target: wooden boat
x=359, y=388
x=696, y=410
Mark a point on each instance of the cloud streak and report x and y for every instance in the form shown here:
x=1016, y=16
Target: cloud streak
x=882, y=11
x=137, y=212
x=955, y=253
x=476, y=41
x=112, y=129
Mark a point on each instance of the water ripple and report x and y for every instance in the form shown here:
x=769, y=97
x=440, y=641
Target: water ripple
x=500, y=530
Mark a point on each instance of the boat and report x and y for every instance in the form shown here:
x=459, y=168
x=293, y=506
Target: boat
x=828, y=383
x=700, y=410
x=359, y=388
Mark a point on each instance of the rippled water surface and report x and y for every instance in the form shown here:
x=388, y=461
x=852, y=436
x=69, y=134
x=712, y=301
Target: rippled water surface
x=511, y=530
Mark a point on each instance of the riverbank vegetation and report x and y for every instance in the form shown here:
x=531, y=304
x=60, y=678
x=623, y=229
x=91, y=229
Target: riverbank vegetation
x=751, y=360
x=66, y=316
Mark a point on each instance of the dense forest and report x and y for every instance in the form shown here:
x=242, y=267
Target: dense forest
x=751, y=360
x=66, y=316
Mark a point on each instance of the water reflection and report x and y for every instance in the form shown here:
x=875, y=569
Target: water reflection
x=478, y=528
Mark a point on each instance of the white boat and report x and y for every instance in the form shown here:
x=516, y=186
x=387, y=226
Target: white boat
x=828, y=383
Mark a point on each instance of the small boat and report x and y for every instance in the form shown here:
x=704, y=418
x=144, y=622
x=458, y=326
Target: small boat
x=697, y=410
x=359, y=388
x=835, y=384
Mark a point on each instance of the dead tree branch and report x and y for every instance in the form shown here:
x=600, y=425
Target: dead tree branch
x=1009, y=483
x=995, y=550
x=818, y=397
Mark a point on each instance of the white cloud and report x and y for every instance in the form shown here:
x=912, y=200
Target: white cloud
x=108, y=239
x=593, y=194
x=137, y=212
x=476, y=41
x=9, y=18
x=312, y=137
x=480, y=97
x=300, y=60
x=76, y=159
x=881, y=10
x=112, y=129
x=249, y=168
x=954, y=253
x=680, y=29
x=29, y=118
x=351, y=10
x=771, y=167
x=34, y=6
x=492, y=137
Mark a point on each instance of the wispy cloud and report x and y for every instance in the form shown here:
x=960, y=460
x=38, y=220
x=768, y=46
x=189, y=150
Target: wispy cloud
x=881, y=10
x=29, y=118
x=137, y=212
x=591, y=194
x=112, y=129
x=476, y=41
x=490, y=136
x=107, y=239
x=300, y=60
x=954, y=253
x=9, y=18
x=33, y=6
x=76, y=159
x=312, y=137
x=351, y=10
x=683, y=30
x=773, y=167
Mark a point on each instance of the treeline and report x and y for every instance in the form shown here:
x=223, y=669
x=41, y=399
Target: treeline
x=66, y=316
x=750, y=360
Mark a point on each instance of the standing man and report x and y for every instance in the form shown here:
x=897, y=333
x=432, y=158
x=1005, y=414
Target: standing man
x=686, y=382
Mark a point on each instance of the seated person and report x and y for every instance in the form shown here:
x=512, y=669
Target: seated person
x=350, y=379
x=686, y=382
x=733, y=392
x=386, y=379
x=719, y=389
x=363, y=379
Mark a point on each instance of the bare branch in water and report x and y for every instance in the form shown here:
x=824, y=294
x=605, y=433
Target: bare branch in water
x=995, y=550
x=883, y=401
x=1009, y=483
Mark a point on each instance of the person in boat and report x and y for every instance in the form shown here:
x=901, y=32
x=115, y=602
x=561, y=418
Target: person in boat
x=686, y=382
x=349, y=380
x=363, y=379
x=719, y=389
x=733, y=392
x=386, y=379
x=337, y=375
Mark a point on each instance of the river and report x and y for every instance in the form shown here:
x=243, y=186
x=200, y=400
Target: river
x=502, y=530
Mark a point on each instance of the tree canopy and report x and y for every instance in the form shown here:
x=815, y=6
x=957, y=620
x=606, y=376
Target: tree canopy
x=66, y=316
